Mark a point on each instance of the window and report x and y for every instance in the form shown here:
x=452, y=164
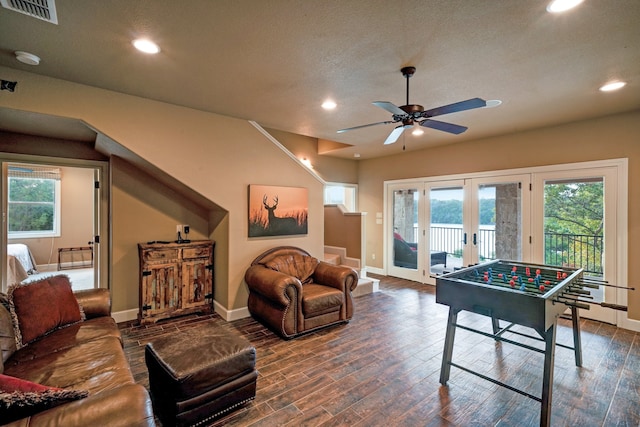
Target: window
x=33, y=202
x=341, y=194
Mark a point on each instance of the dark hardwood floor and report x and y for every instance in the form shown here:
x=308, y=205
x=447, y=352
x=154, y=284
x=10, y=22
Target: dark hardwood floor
x=383, y=369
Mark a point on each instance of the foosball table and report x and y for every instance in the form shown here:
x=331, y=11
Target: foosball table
x=525, y=294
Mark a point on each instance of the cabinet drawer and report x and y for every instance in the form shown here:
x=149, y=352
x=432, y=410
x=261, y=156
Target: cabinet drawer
x=160, y=254
x=200, y=252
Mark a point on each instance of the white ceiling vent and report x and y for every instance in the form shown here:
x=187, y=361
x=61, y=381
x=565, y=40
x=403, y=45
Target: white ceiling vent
x=41, y=9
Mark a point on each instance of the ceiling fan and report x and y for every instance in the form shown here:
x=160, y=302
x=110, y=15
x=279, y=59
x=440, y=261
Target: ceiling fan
x=411, y=114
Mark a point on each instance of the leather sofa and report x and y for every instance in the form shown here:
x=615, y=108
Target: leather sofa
x=293, y=293
x=87, y=355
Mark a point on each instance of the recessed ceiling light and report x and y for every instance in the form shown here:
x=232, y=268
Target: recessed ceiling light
x=356, y=155
x=417, y=131
x=611, y=86
x=146, y=46
x=493, y=103
x=557, y=6
x=329, y=104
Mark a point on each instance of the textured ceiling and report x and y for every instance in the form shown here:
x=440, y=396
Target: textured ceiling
x=276, y=61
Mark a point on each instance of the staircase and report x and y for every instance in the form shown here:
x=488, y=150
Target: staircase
x=338, y=256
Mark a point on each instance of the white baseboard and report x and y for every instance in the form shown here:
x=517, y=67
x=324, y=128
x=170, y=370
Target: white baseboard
x=228, y=315
x=125, y=316
x=43, y=268
x=376, y=270
x=231, y=315
x=631, y=324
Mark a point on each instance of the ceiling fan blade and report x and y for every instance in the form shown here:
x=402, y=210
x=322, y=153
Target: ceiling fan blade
x=394, y=135
x=365, y=126
x=443, y=126
x=392, y=108
x=469, y=104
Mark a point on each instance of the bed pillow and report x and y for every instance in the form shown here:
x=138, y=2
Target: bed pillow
x=41, y=307
x=21, y=398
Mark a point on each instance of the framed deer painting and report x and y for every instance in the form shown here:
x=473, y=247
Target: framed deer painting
x=277, y=211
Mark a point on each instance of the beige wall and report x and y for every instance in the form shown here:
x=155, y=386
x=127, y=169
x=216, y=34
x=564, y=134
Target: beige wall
x=76, y=215
x=610, y=137
x=216, y=156
x=331, y=169
x=344, y=230
x=143, y=211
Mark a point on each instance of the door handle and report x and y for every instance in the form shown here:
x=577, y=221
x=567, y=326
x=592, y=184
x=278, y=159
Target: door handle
x=464, y=238
x=475, y=242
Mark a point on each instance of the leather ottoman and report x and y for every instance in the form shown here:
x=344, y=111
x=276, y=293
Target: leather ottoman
x=199, y=374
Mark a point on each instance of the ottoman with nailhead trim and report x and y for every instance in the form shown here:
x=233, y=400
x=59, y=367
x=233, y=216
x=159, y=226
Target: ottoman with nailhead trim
x=199, y=374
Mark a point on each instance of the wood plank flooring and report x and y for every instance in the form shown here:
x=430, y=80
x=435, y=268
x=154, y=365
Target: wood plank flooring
x=383, y=369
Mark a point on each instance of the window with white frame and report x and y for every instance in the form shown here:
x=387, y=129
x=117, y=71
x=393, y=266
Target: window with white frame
x=342, y=194
x=33, y=203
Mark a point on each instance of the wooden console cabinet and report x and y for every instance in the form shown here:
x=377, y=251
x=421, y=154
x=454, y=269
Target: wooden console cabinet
x=175, y=279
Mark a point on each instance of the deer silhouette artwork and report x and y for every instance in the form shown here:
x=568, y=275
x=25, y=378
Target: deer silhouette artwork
x=278, y=225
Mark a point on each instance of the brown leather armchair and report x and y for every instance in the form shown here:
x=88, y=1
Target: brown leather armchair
x=293, y=293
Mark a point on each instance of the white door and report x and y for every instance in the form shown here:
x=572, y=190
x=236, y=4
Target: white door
x=476, y=220
x=446, y=227
x=499, y=218
x=404, y=248
x=576, y=226
x=438, y=226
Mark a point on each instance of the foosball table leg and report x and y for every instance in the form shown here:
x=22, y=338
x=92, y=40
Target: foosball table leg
x=547, y=376
x=577, y=343
x=495, y=324
x=445, y=370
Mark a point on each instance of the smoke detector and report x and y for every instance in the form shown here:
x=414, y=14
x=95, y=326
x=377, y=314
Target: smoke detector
x=27, y=58
x=41, y=9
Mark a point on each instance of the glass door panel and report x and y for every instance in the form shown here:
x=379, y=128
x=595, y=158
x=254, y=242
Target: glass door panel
x=578, y=229
x=498, y=205
x=447, y=236
x=404, y=252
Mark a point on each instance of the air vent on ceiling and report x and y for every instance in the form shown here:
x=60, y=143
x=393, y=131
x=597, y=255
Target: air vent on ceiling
x=41, y=9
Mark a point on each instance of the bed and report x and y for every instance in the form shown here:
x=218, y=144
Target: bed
x=15, y=271
x=20, y=262
x=23, y=255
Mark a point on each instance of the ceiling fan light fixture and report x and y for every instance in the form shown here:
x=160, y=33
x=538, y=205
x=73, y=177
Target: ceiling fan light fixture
x=612, y=86
x=559, y=6
x=417, y=131
x=146, y=46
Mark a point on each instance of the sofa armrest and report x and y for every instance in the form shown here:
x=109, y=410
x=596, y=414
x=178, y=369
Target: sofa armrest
x=125, y=406
x=94, y=302
x=336, y=276
x=272, y=284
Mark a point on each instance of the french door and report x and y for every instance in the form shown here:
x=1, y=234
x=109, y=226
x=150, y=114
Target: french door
x=438, y=226
x=572, y=215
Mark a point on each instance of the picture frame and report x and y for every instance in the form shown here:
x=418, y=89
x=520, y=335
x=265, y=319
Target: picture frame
x=277, y=211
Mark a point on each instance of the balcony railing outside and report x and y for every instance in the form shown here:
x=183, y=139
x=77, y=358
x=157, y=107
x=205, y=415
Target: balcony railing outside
x=571, y=250
x=450, y=239
x=574, y=250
